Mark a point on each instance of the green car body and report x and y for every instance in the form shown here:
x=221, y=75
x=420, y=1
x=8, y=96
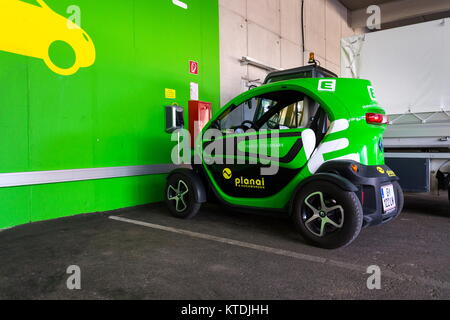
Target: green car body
x=351, y=100
x=324, y=136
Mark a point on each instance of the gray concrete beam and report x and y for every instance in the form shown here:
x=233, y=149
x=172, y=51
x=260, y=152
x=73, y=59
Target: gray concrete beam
x=401, y=10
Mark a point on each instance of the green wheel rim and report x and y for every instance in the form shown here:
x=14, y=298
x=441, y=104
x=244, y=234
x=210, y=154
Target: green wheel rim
x=179, y=195
x=322, y=216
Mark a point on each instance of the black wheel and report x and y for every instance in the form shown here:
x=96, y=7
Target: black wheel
x=449, y=192
x=180, y=196
x=326, y=216
x=400, y=199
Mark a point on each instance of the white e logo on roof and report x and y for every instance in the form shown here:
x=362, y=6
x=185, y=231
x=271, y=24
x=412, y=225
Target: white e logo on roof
x=372, y=93
x=327, y=85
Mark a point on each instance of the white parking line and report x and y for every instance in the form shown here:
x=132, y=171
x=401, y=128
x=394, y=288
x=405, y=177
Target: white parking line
x=291, y=254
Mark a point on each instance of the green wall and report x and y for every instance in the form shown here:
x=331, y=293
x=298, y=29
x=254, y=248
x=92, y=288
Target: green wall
x=109, y=114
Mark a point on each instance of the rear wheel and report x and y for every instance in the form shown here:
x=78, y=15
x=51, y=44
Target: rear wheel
x=400, y=199
x=180, y=197
x=327, y=216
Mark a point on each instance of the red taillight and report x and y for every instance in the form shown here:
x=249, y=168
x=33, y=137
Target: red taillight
x=377, y=118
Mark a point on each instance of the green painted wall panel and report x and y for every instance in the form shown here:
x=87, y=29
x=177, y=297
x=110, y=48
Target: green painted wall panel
x=15, y=206
x=109, y=114
x=60, y=121
x=124, y=192
x=13, y=113
x=51, y=201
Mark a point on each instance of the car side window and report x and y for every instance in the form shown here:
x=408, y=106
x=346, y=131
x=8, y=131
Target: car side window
x=292, y=110
x=233, y=118
x=290, y=117
x=279, y=110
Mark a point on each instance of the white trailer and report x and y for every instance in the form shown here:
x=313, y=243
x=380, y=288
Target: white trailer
x=410, y=70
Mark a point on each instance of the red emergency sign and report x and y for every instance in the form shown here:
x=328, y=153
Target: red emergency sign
x=193, y=67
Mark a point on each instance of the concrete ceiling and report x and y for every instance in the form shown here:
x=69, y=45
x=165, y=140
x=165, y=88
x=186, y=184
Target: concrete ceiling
x=409, y=21
x=397, y=13
x=360, y=4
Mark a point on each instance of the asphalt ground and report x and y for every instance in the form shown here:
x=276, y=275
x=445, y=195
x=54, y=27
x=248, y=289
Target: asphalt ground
x=144, y=253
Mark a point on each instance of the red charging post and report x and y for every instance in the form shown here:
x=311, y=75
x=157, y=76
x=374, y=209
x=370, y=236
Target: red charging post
x=199, y=115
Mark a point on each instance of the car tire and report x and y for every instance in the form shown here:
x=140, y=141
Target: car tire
x=180, y=197
x=327, y=216
x=400, y=198
x=58, y=69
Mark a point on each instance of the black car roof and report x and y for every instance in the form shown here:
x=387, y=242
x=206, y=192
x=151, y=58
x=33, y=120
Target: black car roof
x=316, y=71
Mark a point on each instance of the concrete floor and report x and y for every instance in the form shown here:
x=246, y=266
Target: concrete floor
x=249, y=257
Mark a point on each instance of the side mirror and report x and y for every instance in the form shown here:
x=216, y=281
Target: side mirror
x=216, y=124
x=250, y=104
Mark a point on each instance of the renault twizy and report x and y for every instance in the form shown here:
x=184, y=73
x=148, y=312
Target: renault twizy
x=325, y=137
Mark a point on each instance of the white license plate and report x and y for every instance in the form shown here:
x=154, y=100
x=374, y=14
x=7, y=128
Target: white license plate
x=388, y=197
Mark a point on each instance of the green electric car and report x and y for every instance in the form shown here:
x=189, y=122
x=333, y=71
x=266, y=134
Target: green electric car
x=305, y=143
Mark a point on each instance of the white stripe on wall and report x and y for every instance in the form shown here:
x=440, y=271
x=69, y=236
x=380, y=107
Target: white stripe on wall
x=56, y=176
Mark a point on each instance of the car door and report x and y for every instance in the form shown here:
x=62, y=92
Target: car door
x=264, y=143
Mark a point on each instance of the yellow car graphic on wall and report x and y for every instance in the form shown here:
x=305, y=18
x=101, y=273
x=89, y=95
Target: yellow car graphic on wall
x=32, y=29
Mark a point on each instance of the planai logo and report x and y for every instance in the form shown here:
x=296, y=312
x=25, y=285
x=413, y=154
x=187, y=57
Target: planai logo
x=391, y=173
x=249, y=183
x=227, y=173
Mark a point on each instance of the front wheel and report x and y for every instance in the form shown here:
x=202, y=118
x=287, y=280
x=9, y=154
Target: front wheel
x=327, y=216
x=180, y=197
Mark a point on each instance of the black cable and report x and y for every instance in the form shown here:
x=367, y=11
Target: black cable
x=303, y=25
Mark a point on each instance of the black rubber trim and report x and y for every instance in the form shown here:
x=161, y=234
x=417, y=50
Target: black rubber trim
x=255, y=137
x=341, y=182
x=199, y=187
x=245, y=209
x=369, y=180
x=292, y=153
x=367, y=175
x=314, y=69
